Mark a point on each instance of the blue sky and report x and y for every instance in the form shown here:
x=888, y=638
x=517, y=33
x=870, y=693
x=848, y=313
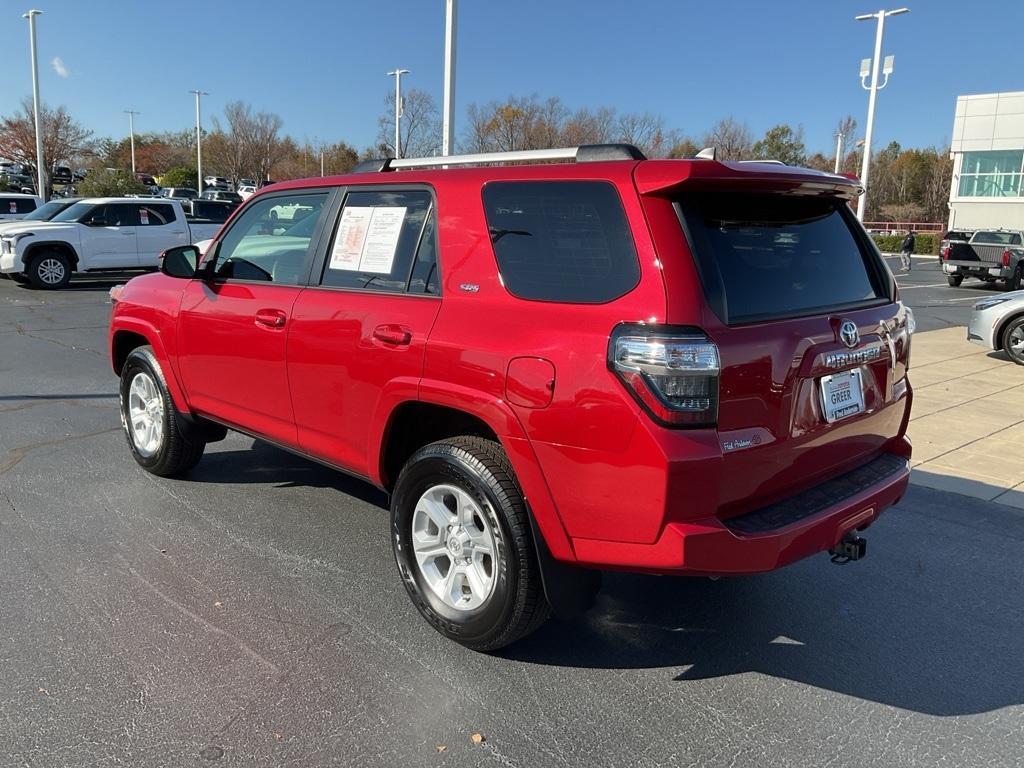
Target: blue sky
x=321, y=64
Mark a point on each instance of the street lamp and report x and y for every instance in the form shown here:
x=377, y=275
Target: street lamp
x=131, y=133
x=839, y=150
x=398, y=107
x=873, y=89
x=40, y=167
x=448, y=116
x=199, y=140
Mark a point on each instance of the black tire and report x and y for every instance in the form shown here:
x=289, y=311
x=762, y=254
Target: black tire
x=954, y=280
x=19, y=277
x=516, y=605
x=1015, y=326
x=1013, y=282
x=181, y=444
x=49, y=270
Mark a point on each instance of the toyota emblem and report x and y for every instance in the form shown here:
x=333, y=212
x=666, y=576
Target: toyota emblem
x=848, y=334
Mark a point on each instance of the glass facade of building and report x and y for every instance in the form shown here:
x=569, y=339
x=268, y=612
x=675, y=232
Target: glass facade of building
x=992, y=173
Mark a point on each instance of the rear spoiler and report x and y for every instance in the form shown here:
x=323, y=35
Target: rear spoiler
x=665, y=177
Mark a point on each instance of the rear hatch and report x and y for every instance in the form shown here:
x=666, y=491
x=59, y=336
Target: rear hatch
x=985, y=249
x=813, y=345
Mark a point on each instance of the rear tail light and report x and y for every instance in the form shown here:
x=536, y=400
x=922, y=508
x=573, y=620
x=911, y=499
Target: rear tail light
x=673, y=372
x=1007, y=255
x=944, y=253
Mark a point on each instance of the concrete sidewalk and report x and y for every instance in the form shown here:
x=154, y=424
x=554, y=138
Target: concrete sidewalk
x=967, y=423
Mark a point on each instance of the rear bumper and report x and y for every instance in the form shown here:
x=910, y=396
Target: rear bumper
x=981, y=269
x=768, y=538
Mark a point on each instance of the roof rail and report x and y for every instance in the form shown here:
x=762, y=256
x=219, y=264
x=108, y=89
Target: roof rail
x=586, y=153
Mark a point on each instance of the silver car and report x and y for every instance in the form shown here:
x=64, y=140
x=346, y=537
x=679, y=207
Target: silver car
x=998, y=323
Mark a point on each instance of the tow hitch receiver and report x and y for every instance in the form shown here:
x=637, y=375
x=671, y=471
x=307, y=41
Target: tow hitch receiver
x=852, y=547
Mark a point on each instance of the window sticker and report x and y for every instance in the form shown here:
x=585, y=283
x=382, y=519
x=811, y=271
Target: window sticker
x=14, y=206
x=144, y=216
x=367, y=239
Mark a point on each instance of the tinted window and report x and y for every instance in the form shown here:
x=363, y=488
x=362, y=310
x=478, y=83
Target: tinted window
x=375, y=239
x=156, y=214
x=265, y=244
x=425, y=277
x=996, y=238
x=563, y=241
x=113, y=215
x=211, y=212
x=770, y=256
x=11, y=205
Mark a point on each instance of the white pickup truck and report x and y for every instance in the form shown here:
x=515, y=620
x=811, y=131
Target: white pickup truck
x=109, y=233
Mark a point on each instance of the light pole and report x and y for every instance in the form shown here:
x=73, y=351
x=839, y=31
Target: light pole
x=839, y=151
x=873, y=92
x=321, y=163
x=448, y=116
x=199, y=139
x=131, y=133
x=398, y=108
x=40, y=167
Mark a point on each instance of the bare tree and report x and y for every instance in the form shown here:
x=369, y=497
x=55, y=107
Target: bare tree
x=644, y=131
x=731, y=139
x=420, y=125
x=248, y=146
x=63, y=138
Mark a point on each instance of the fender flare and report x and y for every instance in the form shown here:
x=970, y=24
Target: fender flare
x=153, y=338
x=35, y=245
x=497, y=415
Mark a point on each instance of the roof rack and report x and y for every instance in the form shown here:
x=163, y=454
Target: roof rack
x=586, y=153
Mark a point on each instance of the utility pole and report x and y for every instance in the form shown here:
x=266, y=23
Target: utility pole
x=448, y=116
x=398, y=108
x=839, y=151
x=872, y=94
x=131, y=133
x=199, y=140
x=40, y=165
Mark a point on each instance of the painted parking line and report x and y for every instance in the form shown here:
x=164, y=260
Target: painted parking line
x=931, y=285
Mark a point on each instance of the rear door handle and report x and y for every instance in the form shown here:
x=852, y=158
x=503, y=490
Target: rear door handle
x=270, y=318
x=394, y=335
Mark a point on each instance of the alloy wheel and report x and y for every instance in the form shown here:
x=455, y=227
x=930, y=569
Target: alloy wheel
x=145, y=414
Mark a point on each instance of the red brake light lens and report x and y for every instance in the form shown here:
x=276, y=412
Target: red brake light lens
x=1006, y=257
x=673, y=372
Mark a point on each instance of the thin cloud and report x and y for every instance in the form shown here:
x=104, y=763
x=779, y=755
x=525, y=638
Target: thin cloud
x=59, y=68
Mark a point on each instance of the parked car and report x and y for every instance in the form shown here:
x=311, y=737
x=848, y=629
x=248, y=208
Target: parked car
x=115, y=233
x=16, y=205
x=24, y=183
x=44, y=212
x=246, y=191
x=220, y=194
x=245, y=183
x=990, y=255
x=61, y=175
x=209, y=211
x=146, y=178
x=179, y=193
x=670, y=366
x=80, y=174
x=216, y=182
x=997, y=322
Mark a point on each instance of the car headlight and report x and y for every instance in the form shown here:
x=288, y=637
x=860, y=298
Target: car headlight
x=911, y=322
x=988, y=303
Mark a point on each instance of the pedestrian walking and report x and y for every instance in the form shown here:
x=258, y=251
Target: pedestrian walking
x=906, y=249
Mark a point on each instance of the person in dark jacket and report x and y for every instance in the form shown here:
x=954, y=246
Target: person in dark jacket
x=906, y=249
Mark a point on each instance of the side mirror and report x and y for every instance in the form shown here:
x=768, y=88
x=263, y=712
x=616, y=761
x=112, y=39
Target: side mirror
x=180, y=261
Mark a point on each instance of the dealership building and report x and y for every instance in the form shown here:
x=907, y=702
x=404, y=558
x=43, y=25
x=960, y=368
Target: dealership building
x=988, y=162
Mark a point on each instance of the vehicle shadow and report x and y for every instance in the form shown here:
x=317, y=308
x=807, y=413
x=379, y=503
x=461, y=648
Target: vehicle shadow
x=795, y=627
x=264, y=463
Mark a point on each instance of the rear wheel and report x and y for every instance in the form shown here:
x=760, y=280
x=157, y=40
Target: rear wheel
x=1013, y=340
x=161, y=441
x=463, y=544
x=49, y=270
x=954, y=280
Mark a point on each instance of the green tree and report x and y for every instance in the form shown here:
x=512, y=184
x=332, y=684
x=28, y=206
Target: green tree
x=107, y=183
x=685, y=148
x=180, y=176
x=782, y=143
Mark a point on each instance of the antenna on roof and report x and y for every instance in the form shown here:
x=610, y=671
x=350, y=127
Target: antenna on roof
x=708, y=153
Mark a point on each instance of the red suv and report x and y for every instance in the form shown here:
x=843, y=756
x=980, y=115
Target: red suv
x=668, y=366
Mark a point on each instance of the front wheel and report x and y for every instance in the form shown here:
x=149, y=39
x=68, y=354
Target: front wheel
x=1013, y=341
x=161, y=441
x=1013, y=282
x=954, y=280
x=463, y=544
x=49, y=270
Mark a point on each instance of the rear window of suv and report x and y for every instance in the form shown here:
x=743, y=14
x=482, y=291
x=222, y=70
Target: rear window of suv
x=565, y=241
x=769, y=256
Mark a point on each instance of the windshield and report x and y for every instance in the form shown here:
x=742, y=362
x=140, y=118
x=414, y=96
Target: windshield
x=47, y=211
x=76, y=212
x=763, y=256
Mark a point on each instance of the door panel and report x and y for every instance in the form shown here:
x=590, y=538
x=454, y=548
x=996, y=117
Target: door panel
x=232, y=363
x=159, y=229
x=343, y=349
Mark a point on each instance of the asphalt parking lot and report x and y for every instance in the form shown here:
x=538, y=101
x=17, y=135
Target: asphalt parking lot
x=251, y=614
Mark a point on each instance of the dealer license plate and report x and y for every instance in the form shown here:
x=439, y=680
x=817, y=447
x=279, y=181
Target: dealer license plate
x=842, y=395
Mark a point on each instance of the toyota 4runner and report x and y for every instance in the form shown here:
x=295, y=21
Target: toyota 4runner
x=667, y=366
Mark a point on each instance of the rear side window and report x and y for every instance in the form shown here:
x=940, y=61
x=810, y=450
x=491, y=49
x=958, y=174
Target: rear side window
x=156, y=214
x=565, y=241
x=10, y=205
x=996, y=238
x=769, y=256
